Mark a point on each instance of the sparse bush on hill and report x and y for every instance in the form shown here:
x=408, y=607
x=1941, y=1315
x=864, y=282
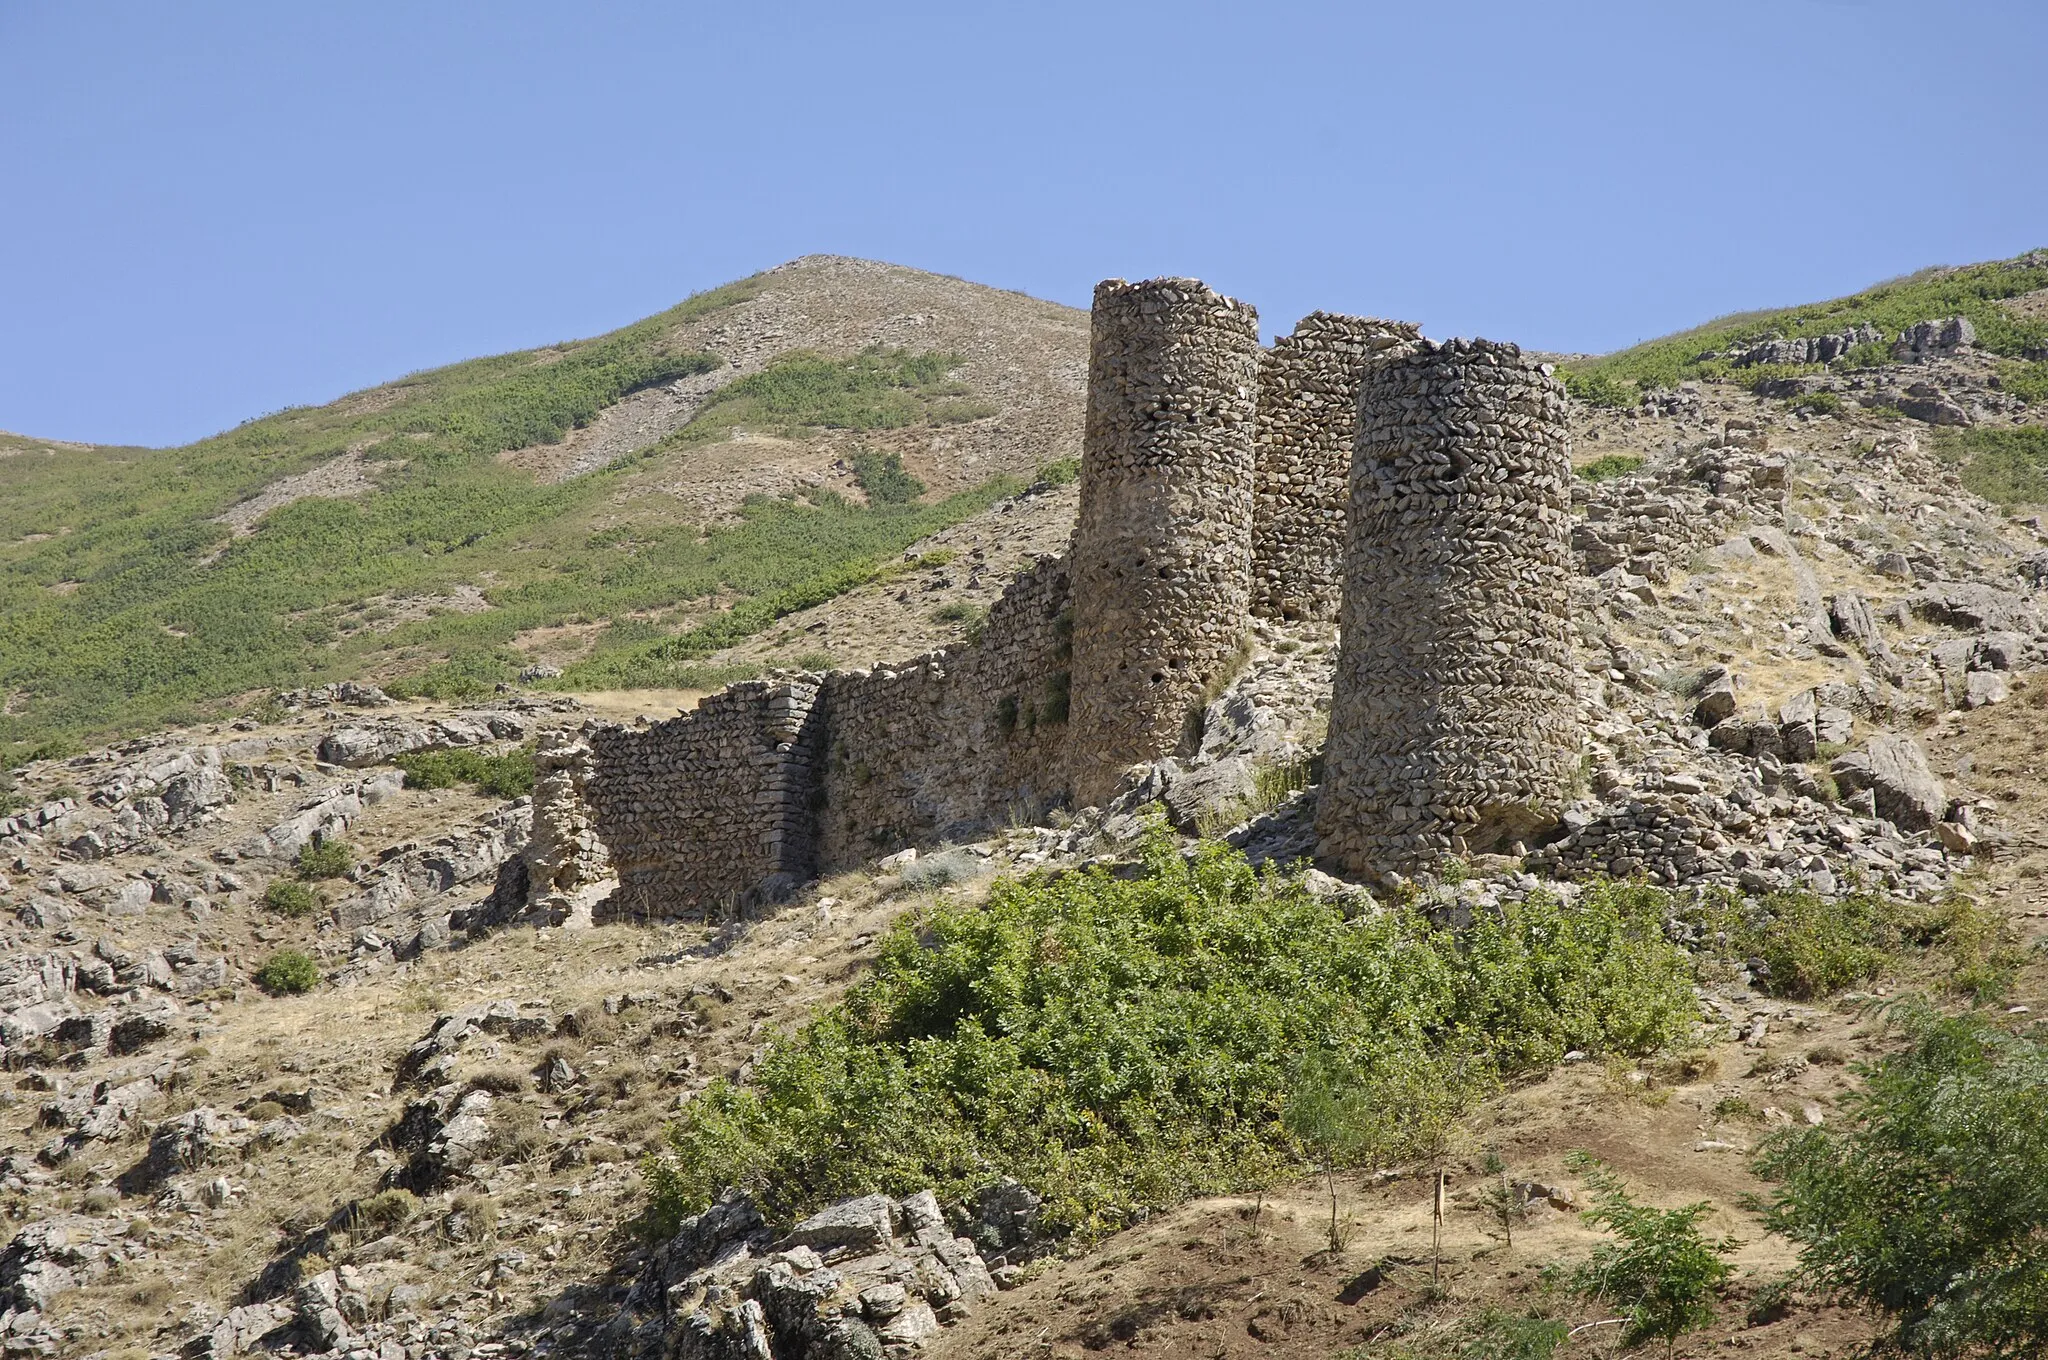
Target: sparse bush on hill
x=509, y=775
x=1928, y=1199
x=1659, y=1269
x=325, y=859
x=1121, y=1043
x=288, y=973
x=287, y=898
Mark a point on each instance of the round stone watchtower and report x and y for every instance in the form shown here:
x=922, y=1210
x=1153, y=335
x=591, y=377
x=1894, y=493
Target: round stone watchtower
x=1454, y=726
x=1162, y=545
x=1308, y=424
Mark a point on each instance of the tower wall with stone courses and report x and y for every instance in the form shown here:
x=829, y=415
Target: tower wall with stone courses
x=941, y=747
x=1307, y=427
x=1454, y=726
x=706, y=812
x=1162, y=544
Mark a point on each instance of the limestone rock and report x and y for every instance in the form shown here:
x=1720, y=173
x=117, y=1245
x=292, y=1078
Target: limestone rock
x=1894, y=769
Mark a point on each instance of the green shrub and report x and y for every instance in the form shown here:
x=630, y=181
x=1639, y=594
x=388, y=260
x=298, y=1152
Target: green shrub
x=1929, y=1199
x=288, y=973
x=1820, y=403
x=1815, y=946
x=1974, y=291
x=2008, y=466
x=882, y=477
x=382, y=1213
x=1123, y=1043
x=287, y=898
x=326, y=859
x=2028, y=381
x=1660, y=1269
x=1984, y=952
x=507, y=775
x=877, y=389
x=1609, y=466
x=1060, y=472
x=1597, y=388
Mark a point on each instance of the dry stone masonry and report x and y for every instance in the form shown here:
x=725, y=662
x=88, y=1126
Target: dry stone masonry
x=711, y=809
x=1454, y=723
x=1308, y=404
x=1216, y=487
x=1162, y=543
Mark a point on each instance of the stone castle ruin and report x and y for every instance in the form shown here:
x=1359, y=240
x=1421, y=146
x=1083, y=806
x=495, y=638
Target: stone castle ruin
x=1419, y=493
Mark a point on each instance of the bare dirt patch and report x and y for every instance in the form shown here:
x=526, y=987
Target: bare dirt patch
x=339, y=478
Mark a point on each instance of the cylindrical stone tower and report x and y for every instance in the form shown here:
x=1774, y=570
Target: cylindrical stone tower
x=1162, y=544
x=1308, y=423
x=1454, y=725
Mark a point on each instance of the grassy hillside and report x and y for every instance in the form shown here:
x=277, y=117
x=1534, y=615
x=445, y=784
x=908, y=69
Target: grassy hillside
x=126, y=603
x=1974, y=291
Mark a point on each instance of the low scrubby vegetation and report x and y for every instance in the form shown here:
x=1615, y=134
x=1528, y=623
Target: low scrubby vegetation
x=1609, y=466
x=1928, y=1201
x=1974, y=291
x=877, y=389
x=126, y=605
x=507, y=774
x=1124, y=1043
x=2007, y=466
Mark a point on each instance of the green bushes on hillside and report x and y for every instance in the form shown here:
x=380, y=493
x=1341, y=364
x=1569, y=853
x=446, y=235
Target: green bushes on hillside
x=882, y=477
x=2008, y=466
x=1973, y=291
x=1927, y=1196
x=1119, y=1044
x=877, y=389
x=509, y=775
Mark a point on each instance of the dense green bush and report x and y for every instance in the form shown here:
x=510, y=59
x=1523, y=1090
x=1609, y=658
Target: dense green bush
x=506, y=775
x=1609, y=466
x=288, y=973
x=287, y=898
x=326, y=859
x=882, y=477
x=2008, y=466
x=1814, y=946
x=1929, y=1199
x=1120, y=1043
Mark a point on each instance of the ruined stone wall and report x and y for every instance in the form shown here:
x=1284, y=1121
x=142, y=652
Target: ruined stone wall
x=945, y=745
x=710, y=811
x=1162, y=544
x=1453, y=726
x=1307, y=426
x=566, y=853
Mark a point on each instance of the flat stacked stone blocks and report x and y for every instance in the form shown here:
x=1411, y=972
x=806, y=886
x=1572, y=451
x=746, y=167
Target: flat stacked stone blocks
x=1161, y=556
x=1307, y=427
x=1453, y=725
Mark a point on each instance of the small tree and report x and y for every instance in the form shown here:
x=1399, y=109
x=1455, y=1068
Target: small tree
x=1661, y=1269
x=1330, y=1113
x=1930, y=1201
x=326, y=859
x=287, y=898
x=1503, y=1199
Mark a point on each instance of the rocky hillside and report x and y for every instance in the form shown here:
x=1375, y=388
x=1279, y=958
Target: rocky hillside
x=298, y=1060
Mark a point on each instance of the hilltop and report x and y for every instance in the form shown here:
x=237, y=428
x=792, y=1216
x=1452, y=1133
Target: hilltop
x=451, y=528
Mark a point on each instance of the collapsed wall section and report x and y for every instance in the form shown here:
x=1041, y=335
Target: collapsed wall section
x=1307, y=426
x=1162, y=543
x=713, y=810
x=937, y=748
x=1453, y=724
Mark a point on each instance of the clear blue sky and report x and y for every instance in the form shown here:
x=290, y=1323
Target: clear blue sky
x=212, y=211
